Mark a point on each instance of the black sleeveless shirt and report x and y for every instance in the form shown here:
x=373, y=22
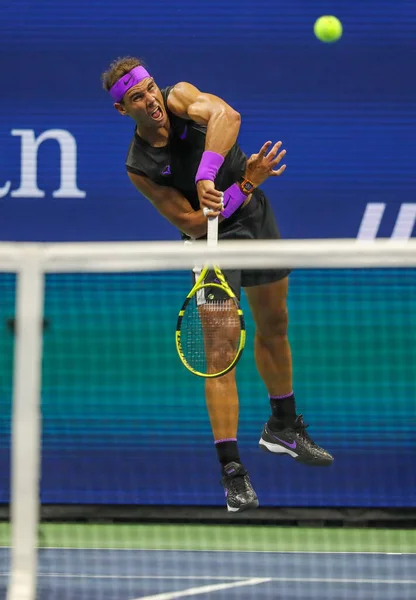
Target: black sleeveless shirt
x=176, y=164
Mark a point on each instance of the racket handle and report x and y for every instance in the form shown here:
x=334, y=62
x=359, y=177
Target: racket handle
x=212, y=229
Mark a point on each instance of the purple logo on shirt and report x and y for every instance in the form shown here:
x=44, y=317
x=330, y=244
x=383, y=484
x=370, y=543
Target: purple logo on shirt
x=166, y=171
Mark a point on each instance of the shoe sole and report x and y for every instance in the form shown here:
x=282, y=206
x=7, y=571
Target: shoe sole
x=248, y=506
x=277, y=449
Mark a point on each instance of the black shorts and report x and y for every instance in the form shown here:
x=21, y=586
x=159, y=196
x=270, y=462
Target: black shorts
x=256, y=221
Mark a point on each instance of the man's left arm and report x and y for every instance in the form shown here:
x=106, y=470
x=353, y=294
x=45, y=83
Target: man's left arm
x=223, y=125
x=222, y=121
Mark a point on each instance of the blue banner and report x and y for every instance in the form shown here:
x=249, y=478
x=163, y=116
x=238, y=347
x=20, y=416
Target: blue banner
x=344, y=111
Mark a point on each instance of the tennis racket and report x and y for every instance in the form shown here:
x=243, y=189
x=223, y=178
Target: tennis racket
x=210, y=331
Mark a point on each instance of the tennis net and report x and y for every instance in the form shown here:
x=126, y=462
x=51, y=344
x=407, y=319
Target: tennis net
x=115, y=492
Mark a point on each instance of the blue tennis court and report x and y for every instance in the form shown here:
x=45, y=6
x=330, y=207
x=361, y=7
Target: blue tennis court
x=106, y=574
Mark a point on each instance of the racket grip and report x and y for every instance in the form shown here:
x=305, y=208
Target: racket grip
x=212, y=228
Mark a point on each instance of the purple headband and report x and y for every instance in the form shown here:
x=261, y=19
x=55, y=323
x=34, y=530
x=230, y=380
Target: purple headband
x=128, y=80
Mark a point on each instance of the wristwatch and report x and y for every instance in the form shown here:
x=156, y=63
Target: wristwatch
x=246, y=186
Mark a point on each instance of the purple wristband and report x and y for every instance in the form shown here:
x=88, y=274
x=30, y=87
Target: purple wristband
x=233, y=199
x=209, y=166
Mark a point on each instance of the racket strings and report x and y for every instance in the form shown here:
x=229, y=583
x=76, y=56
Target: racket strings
x=210, y=335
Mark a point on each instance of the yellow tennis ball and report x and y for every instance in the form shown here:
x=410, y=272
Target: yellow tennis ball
x=328, y=28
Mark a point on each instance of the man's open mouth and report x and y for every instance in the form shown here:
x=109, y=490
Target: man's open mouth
x=156, y=114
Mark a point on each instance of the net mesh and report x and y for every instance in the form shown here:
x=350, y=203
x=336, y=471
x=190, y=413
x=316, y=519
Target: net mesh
x=128, y=454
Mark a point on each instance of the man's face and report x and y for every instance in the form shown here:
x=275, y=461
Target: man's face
x=144, y=104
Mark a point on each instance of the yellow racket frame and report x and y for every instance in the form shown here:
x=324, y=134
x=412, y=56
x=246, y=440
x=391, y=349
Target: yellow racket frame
x=199, y=285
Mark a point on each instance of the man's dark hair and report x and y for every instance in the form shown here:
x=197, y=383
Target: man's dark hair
x=117, y=69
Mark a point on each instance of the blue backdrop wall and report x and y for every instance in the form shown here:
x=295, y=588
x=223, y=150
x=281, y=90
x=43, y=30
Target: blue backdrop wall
x=347, y=117
x=345, y=112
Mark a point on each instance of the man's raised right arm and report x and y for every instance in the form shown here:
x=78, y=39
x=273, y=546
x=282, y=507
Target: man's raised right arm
x=172, y=205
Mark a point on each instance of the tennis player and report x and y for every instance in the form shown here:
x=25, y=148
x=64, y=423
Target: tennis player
x=183, y=157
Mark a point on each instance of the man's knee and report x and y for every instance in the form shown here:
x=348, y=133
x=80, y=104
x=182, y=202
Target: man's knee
x=274, y=324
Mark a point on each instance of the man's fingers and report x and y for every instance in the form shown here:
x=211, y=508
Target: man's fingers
x=212, y=213
x=279, y=171
x=208, y=212
x=263, y=149
x=207, y=187
x=278, y=158
x=213, y=195
x=212, y=204
x=274, y=150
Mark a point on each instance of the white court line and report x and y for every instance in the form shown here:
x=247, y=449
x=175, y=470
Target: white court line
x=224, y=550
x=206, y=589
